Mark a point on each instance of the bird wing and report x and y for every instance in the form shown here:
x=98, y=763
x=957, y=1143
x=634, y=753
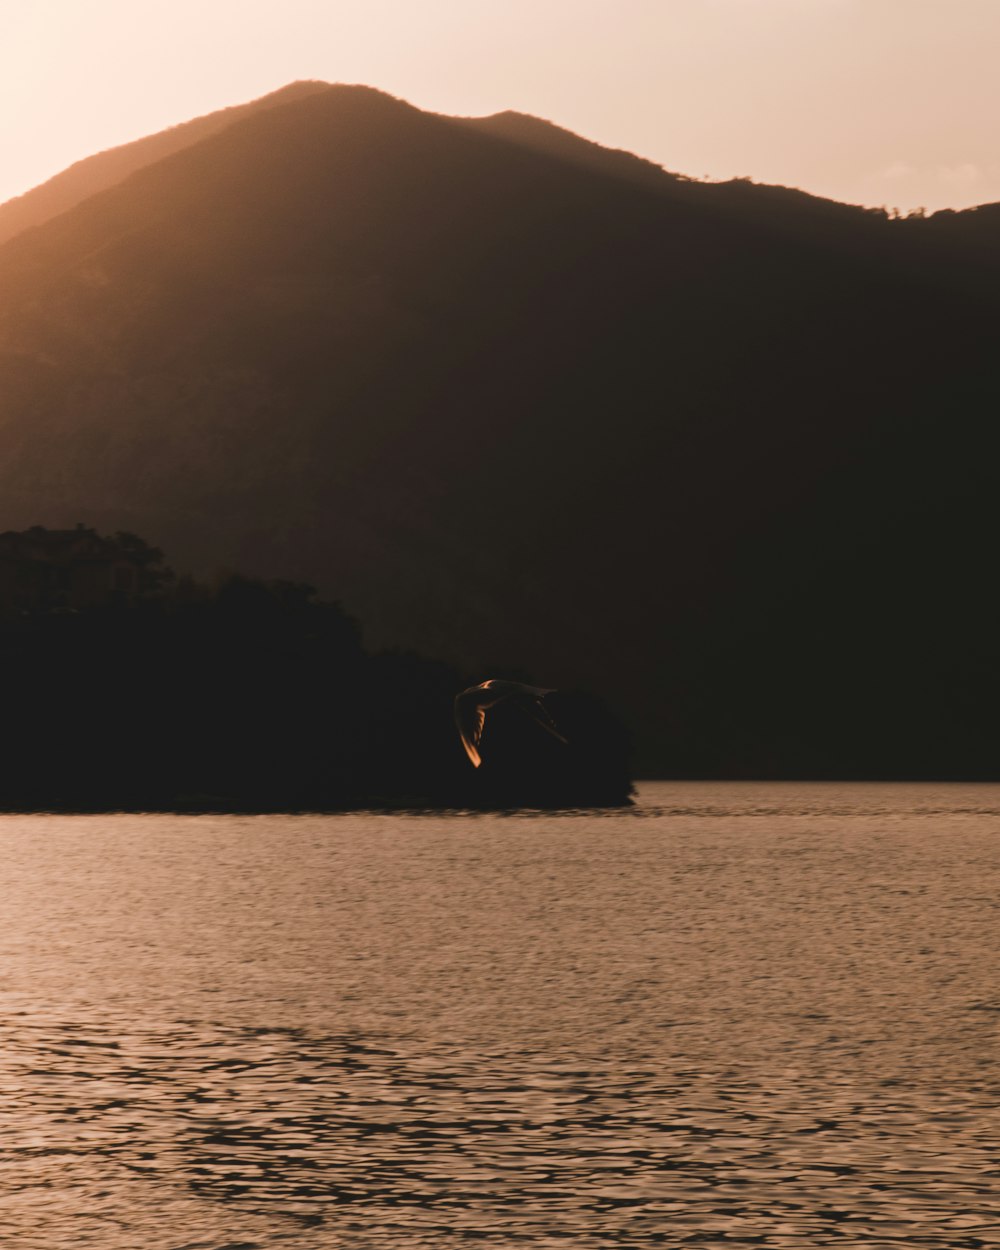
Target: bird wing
x=470, y=717
x=539, y=713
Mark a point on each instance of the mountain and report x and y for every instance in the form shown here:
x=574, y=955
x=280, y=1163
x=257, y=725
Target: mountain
x=105, y=169
x=725, y=455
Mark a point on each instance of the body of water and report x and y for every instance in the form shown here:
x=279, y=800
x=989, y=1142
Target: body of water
x=734, y=1015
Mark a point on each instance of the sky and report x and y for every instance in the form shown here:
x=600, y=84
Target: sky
x=876, y=102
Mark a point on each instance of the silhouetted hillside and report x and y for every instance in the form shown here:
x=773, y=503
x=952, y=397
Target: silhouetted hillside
x=106, y=169
x=725, y=454
x=784, y=208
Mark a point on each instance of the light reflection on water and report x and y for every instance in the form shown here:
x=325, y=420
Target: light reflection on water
x=735, y=1015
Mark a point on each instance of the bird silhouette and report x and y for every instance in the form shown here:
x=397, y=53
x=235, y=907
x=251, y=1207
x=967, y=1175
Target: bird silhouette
x=472, y=704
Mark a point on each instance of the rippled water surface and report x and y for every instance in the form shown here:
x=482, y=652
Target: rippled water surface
x=734, y=1015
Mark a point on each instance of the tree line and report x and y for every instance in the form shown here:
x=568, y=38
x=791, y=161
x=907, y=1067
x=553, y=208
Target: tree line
x=250, y=695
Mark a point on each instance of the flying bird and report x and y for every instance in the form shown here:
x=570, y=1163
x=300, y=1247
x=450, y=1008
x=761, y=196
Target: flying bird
x=472, y=704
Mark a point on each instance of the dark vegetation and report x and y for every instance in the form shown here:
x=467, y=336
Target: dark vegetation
x=727, y=455
x=245, y=695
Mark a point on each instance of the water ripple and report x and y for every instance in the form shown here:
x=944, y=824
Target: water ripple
x=276, y=1131
x=730, y=1016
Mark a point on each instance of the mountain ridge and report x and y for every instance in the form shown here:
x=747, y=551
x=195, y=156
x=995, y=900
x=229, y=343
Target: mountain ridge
x=108, y=167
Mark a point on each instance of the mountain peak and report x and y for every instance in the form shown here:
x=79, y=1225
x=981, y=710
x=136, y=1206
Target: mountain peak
x=105, y=169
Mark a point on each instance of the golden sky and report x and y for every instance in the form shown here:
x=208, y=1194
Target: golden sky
x=893, y=102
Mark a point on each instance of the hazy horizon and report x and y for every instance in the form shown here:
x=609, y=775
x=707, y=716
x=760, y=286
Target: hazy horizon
x=880, y=102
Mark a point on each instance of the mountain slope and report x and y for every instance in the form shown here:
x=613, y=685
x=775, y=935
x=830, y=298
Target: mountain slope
x=555, y=141
x=106, y=169
x=703, y=452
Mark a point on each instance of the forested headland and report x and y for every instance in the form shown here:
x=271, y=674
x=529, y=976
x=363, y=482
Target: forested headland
x=150, y=691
